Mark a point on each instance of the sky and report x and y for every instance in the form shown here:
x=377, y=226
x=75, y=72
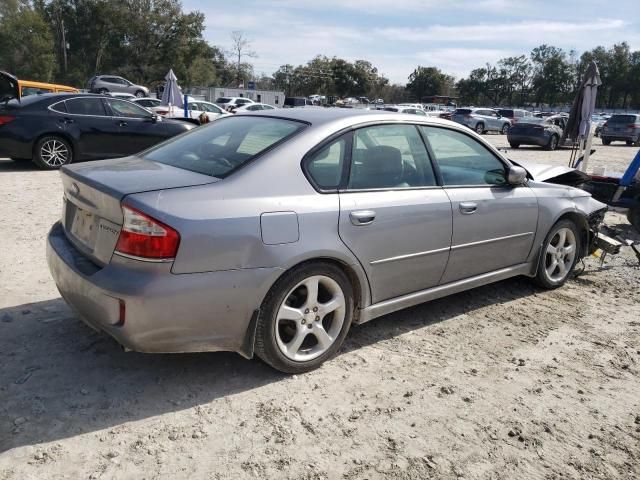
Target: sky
x=398, y=35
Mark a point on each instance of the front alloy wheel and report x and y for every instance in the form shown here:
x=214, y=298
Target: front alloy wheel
x=559, y=255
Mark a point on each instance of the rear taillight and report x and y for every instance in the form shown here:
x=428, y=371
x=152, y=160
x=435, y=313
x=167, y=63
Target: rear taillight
x=633, y=125
x=145, y=237
x=4, y=119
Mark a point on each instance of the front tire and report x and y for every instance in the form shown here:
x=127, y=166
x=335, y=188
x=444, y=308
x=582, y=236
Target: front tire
x=553, y=143
x=140, y=94
x=305, y=318
x=560, y=252
x=606, y=141
x=505, y=129
x=514, y=145
x=51, y=152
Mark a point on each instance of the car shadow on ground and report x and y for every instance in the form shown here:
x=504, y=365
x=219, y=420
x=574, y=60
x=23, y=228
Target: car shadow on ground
x=61, y=379
x=8, y=165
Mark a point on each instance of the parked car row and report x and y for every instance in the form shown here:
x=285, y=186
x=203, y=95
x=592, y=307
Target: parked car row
x=482, y=120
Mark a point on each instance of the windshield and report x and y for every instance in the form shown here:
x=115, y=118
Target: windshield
x=221, y=147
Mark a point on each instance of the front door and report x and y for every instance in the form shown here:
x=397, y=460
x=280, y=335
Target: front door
x=137, y=129
x=494, y=224
x=393, y=216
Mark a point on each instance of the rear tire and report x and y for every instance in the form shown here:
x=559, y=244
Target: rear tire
x=140, y=94
x=514, y=145
x=51, y=152
x=479, y=128
x=629, y=143
x=633, y=215
x=606, y=141
x=560, y=252
x=293, y=335
x=505, y=129
x=553, y=143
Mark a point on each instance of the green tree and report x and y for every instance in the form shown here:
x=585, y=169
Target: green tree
x=552, y=80
x=26, y=42
x=425, y=81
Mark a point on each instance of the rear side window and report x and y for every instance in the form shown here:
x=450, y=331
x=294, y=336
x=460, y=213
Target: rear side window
x=389, y=156
x=219, y=148
x=86, y=106
x=462, y=111
x=462, y=160
x=59, y=107
x=325, y=166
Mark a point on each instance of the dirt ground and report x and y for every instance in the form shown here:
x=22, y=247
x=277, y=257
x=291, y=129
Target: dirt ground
x=503, y=382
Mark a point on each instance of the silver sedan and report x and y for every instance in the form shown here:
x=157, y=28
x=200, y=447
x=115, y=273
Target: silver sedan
x=272, y=233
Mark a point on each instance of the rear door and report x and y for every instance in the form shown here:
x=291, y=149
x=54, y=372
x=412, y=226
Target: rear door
x=393, y=215
x=96, y=132
x=137, y=130
x=494, y=224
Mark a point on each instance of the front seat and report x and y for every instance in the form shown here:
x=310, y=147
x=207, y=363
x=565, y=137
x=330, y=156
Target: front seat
x=381, y=167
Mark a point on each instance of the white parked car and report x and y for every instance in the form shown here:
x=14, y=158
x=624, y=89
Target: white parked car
x=253, y=107
x=122, y=96
x=231, y=103
x=404, y=109
x=152, y=104
x=196, y=108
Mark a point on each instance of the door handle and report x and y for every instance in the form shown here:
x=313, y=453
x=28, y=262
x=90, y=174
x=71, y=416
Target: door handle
x=467, y=208
x=122, y=123
x=362, y=217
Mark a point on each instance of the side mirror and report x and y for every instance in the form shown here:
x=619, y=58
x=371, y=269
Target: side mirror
x=516, y=175
x=153, y=118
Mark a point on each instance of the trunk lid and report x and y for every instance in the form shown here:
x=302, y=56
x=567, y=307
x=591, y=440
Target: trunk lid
x=9, y=87
x=93, y=192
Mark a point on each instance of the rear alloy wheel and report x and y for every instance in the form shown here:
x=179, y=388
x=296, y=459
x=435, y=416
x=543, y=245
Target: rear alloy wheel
x=559, y=255
x=305, y=318
x=553, y=142
x=514, y=145
x=479, y=128
x=140, y=94
x=505, y=129
x=51, y=152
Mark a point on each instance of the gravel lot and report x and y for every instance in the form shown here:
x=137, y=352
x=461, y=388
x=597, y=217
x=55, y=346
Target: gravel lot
x=503, y=382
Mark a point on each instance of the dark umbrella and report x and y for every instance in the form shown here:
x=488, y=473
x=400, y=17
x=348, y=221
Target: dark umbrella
x=579, y=124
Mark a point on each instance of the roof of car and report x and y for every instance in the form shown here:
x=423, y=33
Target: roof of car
x=321, y=115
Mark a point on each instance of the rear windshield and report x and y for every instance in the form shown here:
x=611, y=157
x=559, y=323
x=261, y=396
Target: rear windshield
x=221, y=147
x=623, y=119
x=462, y=111
x=223, y=100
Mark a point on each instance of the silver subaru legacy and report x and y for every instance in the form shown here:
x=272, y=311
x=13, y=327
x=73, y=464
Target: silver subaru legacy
x=272, y=233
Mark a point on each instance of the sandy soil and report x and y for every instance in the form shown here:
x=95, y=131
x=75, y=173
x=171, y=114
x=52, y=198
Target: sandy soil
x=504, y=382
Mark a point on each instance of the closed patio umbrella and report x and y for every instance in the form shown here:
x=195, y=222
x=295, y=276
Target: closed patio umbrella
x=172, y=95
x=579, y=125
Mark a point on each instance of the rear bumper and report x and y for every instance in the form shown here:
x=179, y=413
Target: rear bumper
x=164, y=312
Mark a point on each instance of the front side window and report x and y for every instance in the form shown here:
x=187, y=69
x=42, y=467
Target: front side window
x=462, y=160
x=122, y=108
x=86, y=106
x=325, y=166
x=220, y=147
x=389, y=156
